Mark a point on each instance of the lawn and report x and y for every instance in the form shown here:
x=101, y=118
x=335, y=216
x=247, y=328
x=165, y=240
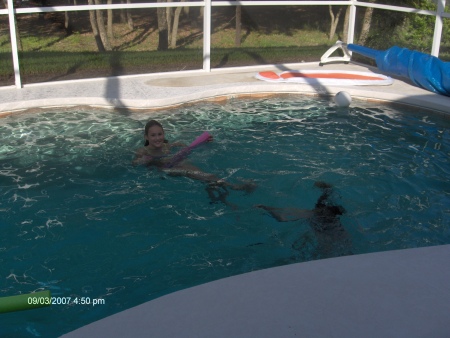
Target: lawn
x=49, y=53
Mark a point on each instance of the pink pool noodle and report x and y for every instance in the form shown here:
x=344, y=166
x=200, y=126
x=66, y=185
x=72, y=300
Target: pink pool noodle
x=183, y=153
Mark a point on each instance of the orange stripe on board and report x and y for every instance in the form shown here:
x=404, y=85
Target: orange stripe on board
x=270, y=75
x=343, y=76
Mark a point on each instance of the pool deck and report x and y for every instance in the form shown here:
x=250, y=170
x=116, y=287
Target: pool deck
x=153, y=92
x=403, y=293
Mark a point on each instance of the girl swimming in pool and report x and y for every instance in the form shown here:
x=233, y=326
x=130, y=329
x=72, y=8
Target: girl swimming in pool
x=157, y=152
x=156, y=147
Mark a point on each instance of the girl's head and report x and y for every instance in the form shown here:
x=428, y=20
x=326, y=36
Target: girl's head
x=154, y=134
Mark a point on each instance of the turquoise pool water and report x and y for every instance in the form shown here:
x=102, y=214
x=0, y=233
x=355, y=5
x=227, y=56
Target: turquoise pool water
x=78, y=219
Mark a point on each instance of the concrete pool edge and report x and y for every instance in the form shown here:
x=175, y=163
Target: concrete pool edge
x=401, y=293
x=149, y=92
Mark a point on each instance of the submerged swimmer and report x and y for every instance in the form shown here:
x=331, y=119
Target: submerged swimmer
x=157, y=152
x=324, y=220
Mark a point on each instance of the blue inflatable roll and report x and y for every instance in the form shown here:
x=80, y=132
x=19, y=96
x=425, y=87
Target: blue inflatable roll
x=424, y=70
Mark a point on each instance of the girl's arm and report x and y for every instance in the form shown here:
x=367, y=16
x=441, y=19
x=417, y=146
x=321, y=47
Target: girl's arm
x=177, y=144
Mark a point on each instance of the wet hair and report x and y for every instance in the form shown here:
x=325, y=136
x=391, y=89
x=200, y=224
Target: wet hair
x=150, y=124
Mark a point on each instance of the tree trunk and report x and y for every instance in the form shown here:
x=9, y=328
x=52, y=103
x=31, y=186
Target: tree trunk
x=110, y=15
x=176, y=20
x=346, y=20
x=101, y=27
x=186, y=11
x=125, y=15
x=169, y=23
x=367, y=21
x=237, y=38
x=334, y=21
x=93, y=20
x=129, y=17
x=163, y=42
x=68, y=22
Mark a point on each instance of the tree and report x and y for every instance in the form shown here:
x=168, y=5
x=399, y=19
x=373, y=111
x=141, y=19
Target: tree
x=334, y=21
x=169, y=22
x=367, y=21
x=409, y=30
x=125, y=16
x=102, y=28
x=93, y=20
x=176, y=19
x=346, y=22
x=237, y=38
x=110, y=16
x=68, y=20
x=163, y=31
x=98, y=28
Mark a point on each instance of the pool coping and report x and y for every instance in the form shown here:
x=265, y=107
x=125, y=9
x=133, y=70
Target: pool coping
x=150, y=91
x=400, y=293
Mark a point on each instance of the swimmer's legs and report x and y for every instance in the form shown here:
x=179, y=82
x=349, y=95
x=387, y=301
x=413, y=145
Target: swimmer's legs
x=248, y=187
x=191, y=172
x=219, y=193
x=196, y=174
x=286, y=214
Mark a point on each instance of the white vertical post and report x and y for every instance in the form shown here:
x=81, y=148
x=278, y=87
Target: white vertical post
x=207, y=36
x=13, y=35
x=351, y=22
x=438, y=28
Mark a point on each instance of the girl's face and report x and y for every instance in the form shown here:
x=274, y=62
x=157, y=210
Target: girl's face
x=155, y=137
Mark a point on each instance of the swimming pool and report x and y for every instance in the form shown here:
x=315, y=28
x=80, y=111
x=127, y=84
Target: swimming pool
x=79, y=220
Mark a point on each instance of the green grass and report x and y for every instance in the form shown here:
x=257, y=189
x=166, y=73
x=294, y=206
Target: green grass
x=52, y=64
x=49, y=57
x=60, y=62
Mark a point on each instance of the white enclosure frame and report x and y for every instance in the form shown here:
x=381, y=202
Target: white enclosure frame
x=439, y=14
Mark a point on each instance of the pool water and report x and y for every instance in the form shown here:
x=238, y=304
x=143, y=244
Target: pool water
x=78, y=219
